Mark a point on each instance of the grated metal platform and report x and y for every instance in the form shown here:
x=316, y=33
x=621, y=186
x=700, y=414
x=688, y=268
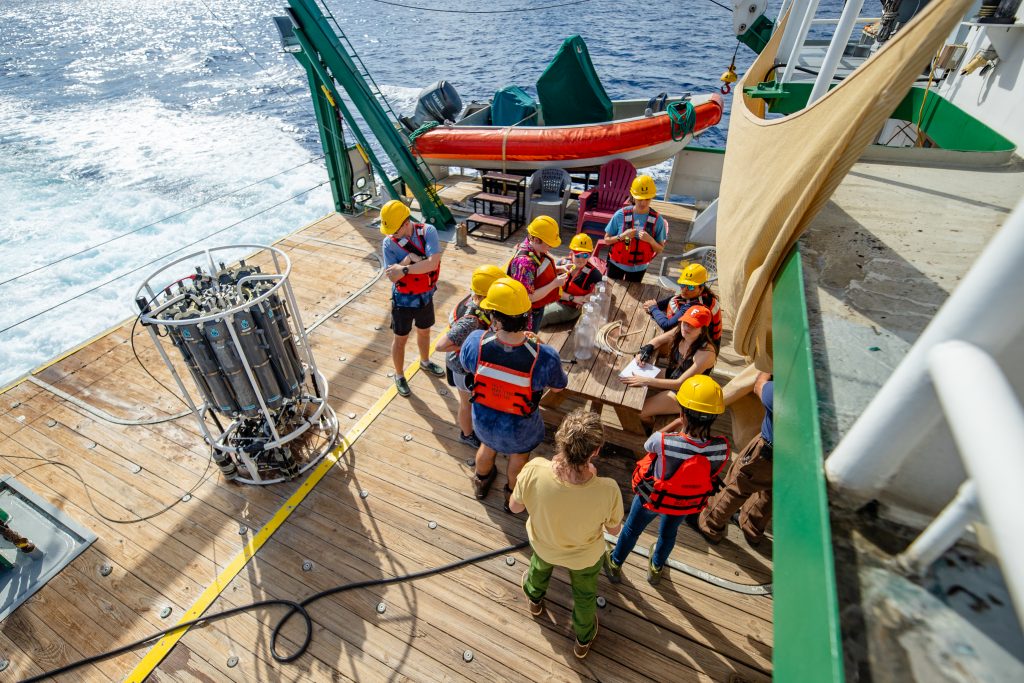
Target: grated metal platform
x=58, y=539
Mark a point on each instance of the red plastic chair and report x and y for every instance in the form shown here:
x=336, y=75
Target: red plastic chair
x=597, y=206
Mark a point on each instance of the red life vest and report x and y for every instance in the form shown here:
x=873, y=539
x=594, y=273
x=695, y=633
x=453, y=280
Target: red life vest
x=416, y=243
x=544, y=275
x=503, y=380
x=679, y=480
x=469, y=307
x=580, y=284
x=635, y=252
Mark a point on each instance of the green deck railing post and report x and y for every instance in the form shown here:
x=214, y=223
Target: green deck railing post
x=311, y=24
x=807, y=643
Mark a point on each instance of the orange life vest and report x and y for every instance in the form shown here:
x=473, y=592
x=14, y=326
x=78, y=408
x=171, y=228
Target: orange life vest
x=544, y=275
x=635, y=252
x=575, y=285
x=679, y=481
x=503, y=380
x=416, y=243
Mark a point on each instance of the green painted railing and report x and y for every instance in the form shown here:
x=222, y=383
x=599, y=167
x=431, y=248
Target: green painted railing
x=807, y=643
x=945, y=123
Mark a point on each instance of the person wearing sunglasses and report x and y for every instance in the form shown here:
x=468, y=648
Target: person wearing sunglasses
x=583, y=276
x=693, y=291
x=690, y=351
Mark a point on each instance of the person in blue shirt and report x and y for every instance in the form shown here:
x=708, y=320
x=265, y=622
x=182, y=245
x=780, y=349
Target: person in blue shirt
x=748, y=486
x=412, y=261
x=511, y=369
x=635, y=234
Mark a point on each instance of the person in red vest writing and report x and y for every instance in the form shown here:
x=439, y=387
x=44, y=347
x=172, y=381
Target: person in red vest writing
x=412, y=261
x=635, y=234
x=582, y=276
x=675, y=477
x=511, y=369
x=535, y=269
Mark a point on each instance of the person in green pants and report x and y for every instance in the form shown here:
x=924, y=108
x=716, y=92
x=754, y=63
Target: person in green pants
x=570, y=508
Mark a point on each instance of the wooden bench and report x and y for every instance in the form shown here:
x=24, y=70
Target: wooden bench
x=477, y=221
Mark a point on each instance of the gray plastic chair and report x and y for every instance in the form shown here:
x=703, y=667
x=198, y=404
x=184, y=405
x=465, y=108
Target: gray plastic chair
x=706, y=256
x=553, y=186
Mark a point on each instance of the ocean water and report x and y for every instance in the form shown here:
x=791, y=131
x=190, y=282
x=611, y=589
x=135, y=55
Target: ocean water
x=181, y=119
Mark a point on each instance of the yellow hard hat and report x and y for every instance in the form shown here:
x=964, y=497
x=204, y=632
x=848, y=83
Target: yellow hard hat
x=643, y=187
x=545, y=228
x=694, y=275
x=507, y=296
x=702, y=394
x=582, y=242
x=483, y=277
x=392, y=215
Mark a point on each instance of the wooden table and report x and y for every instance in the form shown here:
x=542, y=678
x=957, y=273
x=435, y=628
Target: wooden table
x=597, y=380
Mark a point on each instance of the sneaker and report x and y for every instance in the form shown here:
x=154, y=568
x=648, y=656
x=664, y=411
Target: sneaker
x=508, y=496
x=482, y=486
x=653, y=573
x=536, y=607
x=470, y=440
x=581, y=650
x=611, y=570
x=403, y=386
x=432, y=367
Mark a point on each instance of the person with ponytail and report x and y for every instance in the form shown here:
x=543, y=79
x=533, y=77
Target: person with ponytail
x=675, y=478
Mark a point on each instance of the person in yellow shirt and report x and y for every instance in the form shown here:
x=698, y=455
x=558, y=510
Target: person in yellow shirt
x=570, y=508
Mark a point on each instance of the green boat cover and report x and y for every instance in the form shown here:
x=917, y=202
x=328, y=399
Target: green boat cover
x=570, y=91
x=511, y=105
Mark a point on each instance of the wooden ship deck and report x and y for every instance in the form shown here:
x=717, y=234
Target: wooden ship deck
x=408, y=461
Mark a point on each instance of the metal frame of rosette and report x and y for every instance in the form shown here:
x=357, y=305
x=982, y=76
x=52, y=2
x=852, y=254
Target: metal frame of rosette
x=240, y=334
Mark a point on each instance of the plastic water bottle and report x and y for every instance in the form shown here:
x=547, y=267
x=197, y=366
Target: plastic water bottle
x=586, y=334
x=597, y=301
x=606, y=301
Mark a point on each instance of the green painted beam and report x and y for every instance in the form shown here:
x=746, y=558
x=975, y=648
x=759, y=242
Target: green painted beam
x=948, y=126
x=807, y=641
x=332, y=141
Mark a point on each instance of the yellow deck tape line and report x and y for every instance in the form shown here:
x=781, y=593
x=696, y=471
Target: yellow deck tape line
x=156, y=655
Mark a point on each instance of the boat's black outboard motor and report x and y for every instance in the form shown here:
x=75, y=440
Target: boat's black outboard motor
x=438, y=102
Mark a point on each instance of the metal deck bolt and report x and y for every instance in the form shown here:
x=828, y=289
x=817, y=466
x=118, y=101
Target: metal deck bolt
x=601, y=602
x=186, y=498
x=381, y=608
x=242, y=530
x=351, y=416
x=51, y=423
x=407, y=437
x=364, y=493
x=431, y=524
x=135, y=468
x=443, y=391
x=307, y=566
x=391, y=374
x=105, y=570
x=510, y=561
x=467, y=656
x=377, y=328
x=15, y=405
x=4, y=664
x=165, y=612
x=232, y=662
x=91, y=444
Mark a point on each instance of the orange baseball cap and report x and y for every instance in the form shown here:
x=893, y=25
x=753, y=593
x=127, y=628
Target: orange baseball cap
x=697, y=316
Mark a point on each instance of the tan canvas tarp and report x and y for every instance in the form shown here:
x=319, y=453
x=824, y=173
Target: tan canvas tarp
x=779, y=173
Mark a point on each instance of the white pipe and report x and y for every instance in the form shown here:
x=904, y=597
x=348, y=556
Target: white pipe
x=835, y=49
x=988, y=427
x=943, y=532
x=796, y=13
x=858, y=20
x=801, y=38
x=984, y=310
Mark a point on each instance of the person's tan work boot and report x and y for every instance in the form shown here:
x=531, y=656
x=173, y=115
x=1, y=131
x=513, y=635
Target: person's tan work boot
x=536, y=607
x=581, y=650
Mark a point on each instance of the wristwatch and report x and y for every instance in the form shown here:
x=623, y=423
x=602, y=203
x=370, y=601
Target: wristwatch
x=405, y=270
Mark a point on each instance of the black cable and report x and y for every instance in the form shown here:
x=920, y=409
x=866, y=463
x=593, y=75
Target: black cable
x=148, y=263
x=713, y=2
x=150, y=225
x=294, y=608
x=490, y=11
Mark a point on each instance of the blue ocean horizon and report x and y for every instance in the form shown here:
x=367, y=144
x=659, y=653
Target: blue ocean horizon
x=117, y=115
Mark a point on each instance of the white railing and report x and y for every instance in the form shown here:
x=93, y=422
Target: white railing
x=951, y=368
